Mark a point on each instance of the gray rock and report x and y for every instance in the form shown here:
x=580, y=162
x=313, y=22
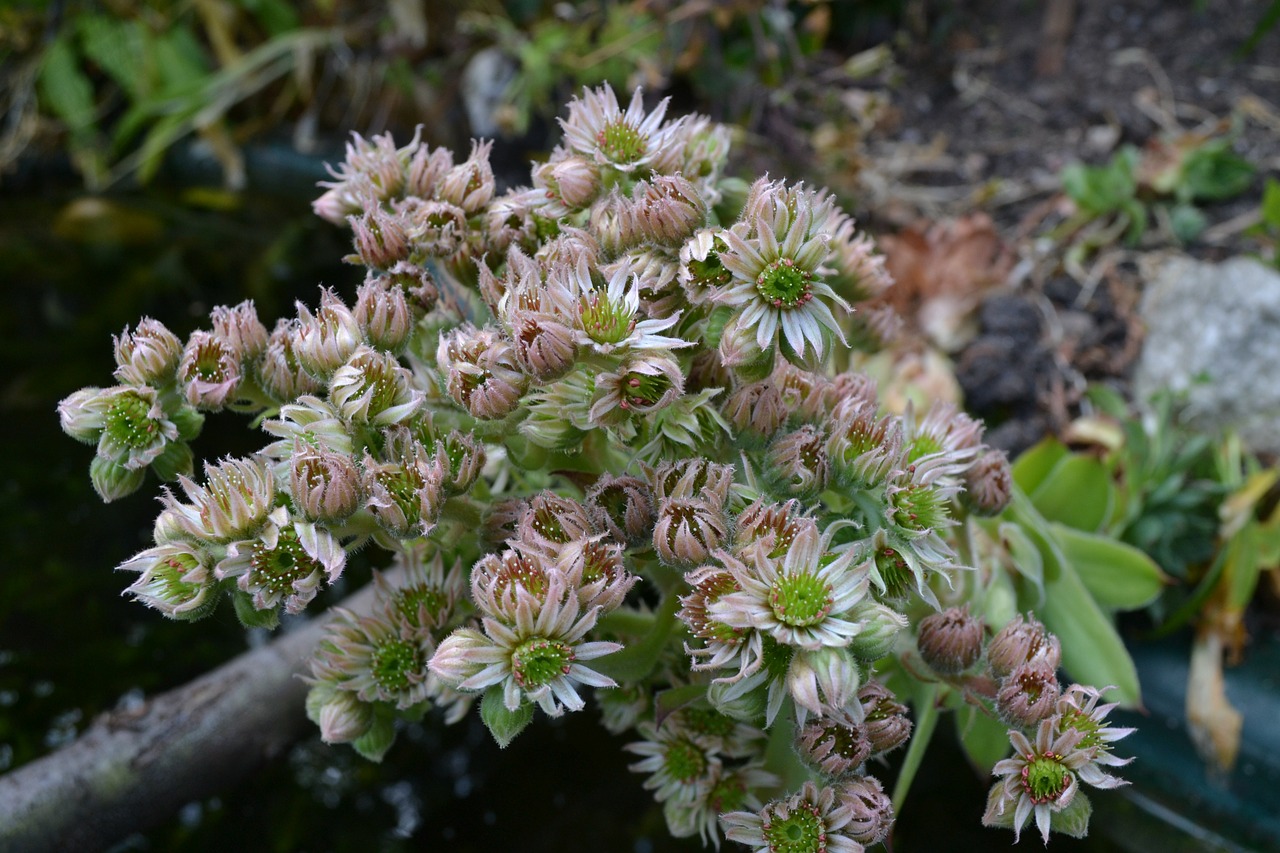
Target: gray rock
x=1213, y=333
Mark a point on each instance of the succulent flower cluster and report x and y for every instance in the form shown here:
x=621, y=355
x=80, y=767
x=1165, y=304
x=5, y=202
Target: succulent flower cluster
x=612, y=429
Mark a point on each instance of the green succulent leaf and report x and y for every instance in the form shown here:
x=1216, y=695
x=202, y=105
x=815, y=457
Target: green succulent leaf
x=984, y=738
x=1078, y=492
x=373, y=744
x=1117, y=575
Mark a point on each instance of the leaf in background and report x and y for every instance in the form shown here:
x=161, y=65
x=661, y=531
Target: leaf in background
x=984, y=738
x=1078, y=492
x=1117, y=575
x=1187, y=222
x=1025, y=554
x=64, y=89
x=1100, y=190
x=1092, y=651
x=122, y=49
x=1270, y=208
x=1214, y=172
x=1036, y=463
x=669, y=701
x=276, y=16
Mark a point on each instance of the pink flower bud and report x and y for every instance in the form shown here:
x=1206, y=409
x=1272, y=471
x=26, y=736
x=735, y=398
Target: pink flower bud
x=482, y=374
x=797, y=462
x=241, y=330
x=382, y=312
x=870, y=809
x=325, y=484
x=280, y=374
x=210, y=372
x=989, y=483
x=470, y=184
x=381, y=238
x=324, y=341
x=1022, y=641
x=688, y=530
x=951, y=641
x=147, y=356
x=884, y=718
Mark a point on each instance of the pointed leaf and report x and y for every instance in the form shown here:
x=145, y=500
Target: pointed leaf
x=1117, y=575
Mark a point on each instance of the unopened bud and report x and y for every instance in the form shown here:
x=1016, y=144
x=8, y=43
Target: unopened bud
x=381, y=237
x=280, y=374
x=797, y=462
x=341, y=716
x=881, y=627
x=1022, y=641
x=374, y=388
x=884, y=718
x=325, y=484
x=688, y=530
x=111, y=480
x=324, y=341
x=382, y=313
x=989, y=483
x=241, y=330
x=951, y=641
x=870, y=810
x=175, y=578
x=482, y=374
x=621, y=507
x=470, y=184
x=147, y=356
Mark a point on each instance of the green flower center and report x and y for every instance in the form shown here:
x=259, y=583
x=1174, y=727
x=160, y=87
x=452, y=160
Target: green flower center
x=521, y=572
x=1045, y=778
x=1087, y=726
x=684, y=760
x=642, y=391
x=728, y=795
x=709, y=273
x=922, y=446
x=393, y=662
x=540, y=661
x=917, y=507
x=128, y=424
x=277, y=569
x=604, y=321
x=801, y=831
x=621, y=143
x=845, y=741
x=784, y=285
x=412, y=601
x=171, y=574
x=708, y=721
x=211, y=363
x=800, y=600
x=895, y=572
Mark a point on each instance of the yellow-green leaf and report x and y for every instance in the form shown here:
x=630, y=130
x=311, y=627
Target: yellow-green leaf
x=1035, y=464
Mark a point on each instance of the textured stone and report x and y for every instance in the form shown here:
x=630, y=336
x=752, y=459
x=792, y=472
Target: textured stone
x=1213, y=333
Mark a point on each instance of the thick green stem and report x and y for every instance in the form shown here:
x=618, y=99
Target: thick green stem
x=926, y=721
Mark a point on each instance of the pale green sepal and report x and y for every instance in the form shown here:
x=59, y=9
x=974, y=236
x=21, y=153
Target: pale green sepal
x=374, y=743
x=111, y=480
x=503, y=723
x=1074, y=819
x=250, y=616
x=176, y=459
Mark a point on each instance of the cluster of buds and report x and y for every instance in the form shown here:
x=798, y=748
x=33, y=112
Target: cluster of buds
x=617, y=372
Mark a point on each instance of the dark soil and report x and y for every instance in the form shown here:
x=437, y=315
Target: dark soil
x=1125, y=67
